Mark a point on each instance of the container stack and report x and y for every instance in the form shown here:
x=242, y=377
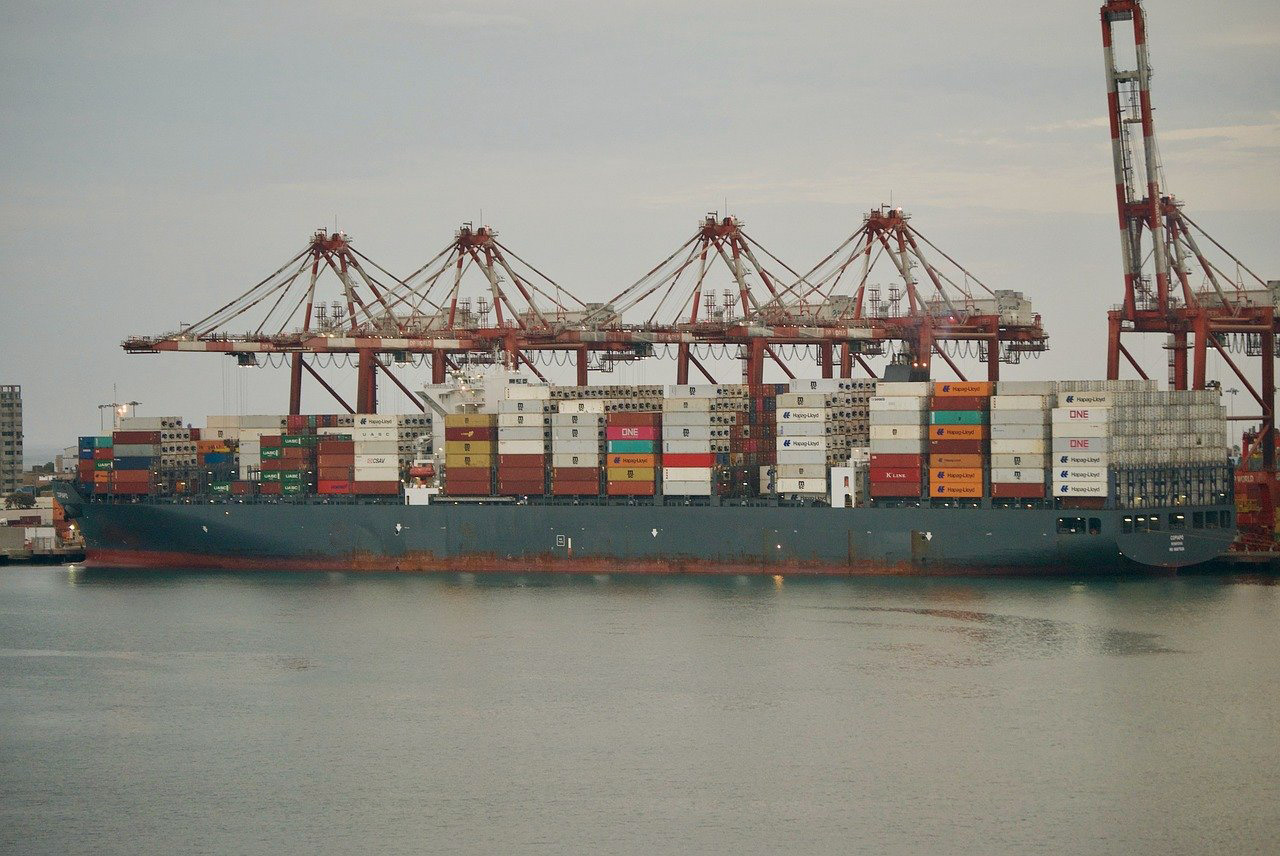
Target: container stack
x=216, y=460
x=759, y=439
x=93, y=467
x=1021, y=430
x=376, y=443
x=470, y=443
x=688, y=461
x=524, y=439
x=899, y=415
x=135, y=467
x=632, y=452
x=958, y=419
x=335, y=463
x=1082, y=434
x=577, y=443
x=811, y=437
x=288, y=463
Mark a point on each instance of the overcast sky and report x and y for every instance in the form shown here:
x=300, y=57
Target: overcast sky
x=158, y=158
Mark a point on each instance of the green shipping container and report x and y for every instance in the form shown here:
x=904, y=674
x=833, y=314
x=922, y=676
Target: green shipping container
x=958, y=417
x=102, y=442
x=272, y=454
x=631, y=447
x=298, y=440
x=271, y=476
x=293, y=489
x=291, y=477
x=220, y=487
x=102, y=465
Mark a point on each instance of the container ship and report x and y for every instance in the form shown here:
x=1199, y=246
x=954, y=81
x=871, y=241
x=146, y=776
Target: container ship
x=817, y=477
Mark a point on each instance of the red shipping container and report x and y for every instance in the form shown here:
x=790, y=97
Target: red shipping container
x=899, y=460
x=956, y=447
x=295, y=453
x=131, y=475
x=195, y=434
x=522, y=461
x=335, y=460
x=959, y=402
x=243, y=488
x=575, y=488
x=1016, y=490
x=467, y=473
x=630, y=488
x=468, y=488
x=896, y=474
x=375, y=488
x=474, y=432
x=899, y=489
x=271, y=465
x=647, y=418
x=134, y=438
x=336, y=447
x=576, y=473
x=103, y=454
x=270, y=441
x=631, y=432
x=334, y=473
x=521, y=473
x=524, y=486
x=690, y=459
x=333, y=486
x=269, y=488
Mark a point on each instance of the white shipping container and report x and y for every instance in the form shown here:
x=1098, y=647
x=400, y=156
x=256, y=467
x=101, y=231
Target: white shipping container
x=1082, y=459
x=894, y=432
x=522, y=447
x=1081, y=444
x=800, y=471
x=686, y=488
x=1079, y=474
x=1019, y=447
x=576, y=459
x=534, y=432
x=683, y=447
x=1026, y=387
x=802, y=415
x=376, y=447
x=898, y=403
x=1082, y=413
x=899, y=447
x=812, y=486
x=1083, y=429
x=527, y=392
x=374, y=420
x=1020, y=402
x=898, y=417
x=1080, y=488
x=375, y=460
x=688, y=417
x=697, y=405
x=792, y=457
x=585, y=405
x=811, y=399
x=1007, y=461
x=1019, y=432
x=376, y=473
x=577, y=432
x=804, y=429
x=690, y=474
x=577, y=447
x=917, y=389
x=1020, y=417
x=569, y=420
x=1093, y=399
x=686, y=432
x=1018, y=475
x=810, y=444
x=373, y=435
x=536, y=419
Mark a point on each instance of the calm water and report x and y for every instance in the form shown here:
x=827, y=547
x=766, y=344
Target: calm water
x=340, y=714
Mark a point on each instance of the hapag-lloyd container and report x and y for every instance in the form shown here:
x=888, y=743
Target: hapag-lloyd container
x=799, y=415
x=1078, y=459
x=1070, y=488
x=803, y=443
x=1080, y=474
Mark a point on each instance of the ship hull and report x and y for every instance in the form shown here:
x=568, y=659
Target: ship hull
x=640, y=539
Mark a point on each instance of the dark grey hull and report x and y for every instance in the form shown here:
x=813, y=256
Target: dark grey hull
x=632, y=538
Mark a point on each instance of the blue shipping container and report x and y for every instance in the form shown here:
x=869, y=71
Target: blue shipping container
x=133, y=463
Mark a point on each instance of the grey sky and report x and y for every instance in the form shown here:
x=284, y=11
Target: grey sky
x=159, y=158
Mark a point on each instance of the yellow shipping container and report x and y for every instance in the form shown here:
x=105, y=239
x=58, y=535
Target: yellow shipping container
x=470, y=420
x=469, y=447
x=468, y=460
x=638, y=474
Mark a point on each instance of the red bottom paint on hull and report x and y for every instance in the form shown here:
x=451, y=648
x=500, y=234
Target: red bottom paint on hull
x=487, y=564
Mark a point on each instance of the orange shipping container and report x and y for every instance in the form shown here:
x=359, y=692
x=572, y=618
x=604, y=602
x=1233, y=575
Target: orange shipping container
x=957, y=432
x=958, y=491
x=940, y=475
x=649, y=461
x=961, y=462
x=967, y=388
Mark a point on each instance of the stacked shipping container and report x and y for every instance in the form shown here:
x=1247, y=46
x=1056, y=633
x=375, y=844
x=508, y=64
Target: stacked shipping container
x=958, y=417
x=632, y=452
x=898, y=441
x=1020, y=439
x=688, y=460
x=470, y=444
x=524, y=435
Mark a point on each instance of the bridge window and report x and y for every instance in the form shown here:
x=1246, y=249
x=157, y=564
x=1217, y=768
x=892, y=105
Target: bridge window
x=1126, y=525
x=1197, y=520
x=1177, y=521
x=1226, y=520
x=1211, y=520
x=1095, y=526
x=1071, y=526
